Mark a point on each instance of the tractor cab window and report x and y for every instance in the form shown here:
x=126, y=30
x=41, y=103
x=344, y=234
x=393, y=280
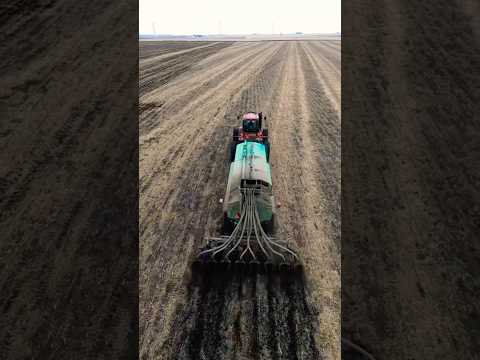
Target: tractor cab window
x=250, y=126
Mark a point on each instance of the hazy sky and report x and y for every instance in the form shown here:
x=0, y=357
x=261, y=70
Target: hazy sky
x=184, y=17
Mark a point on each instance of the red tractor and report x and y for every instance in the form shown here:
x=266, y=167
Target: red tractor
x=251, y=130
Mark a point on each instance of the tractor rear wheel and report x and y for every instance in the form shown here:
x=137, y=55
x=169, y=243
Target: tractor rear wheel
x=236, y=135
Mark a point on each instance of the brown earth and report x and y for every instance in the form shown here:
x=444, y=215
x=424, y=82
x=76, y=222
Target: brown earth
x=68, y=238
x=187, y=113
x=410, y=194
x=148, y=49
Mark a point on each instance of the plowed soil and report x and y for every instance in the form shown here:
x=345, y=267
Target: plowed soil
x=410, y=181
x=189, y=100
x=68, y=180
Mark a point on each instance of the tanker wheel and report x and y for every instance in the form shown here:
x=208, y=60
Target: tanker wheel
x=267, y=150
x=266, y=143
x=228, y=226
x=233, y=149
x=268, y=226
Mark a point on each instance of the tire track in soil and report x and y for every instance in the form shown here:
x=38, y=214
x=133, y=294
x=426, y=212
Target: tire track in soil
x=217, y=315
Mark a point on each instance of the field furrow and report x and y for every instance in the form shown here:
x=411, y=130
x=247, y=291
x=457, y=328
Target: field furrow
x=186, y=121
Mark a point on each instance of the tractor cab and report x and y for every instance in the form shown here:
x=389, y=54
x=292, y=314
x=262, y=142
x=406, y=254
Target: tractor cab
x=251, y=130
x=251, y=122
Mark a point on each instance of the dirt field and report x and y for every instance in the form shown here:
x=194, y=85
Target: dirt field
x=189, y=100
x=68, y=249
x=410, y=194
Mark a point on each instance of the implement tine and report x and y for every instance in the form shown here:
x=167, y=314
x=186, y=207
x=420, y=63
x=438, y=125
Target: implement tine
x=248, y=242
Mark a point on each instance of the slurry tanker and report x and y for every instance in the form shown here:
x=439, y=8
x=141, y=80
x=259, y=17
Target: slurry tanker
x=249, y=205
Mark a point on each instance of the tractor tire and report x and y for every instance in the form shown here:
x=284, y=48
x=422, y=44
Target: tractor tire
x=233, y=149
x=265, y=133
x=266, y=143
x=269, y=226
x=236, y=135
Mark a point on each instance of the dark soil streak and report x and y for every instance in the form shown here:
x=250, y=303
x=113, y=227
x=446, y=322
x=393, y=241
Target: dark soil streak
x=286, y=294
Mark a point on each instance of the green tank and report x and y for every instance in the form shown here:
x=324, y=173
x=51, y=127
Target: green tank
x=249, y=169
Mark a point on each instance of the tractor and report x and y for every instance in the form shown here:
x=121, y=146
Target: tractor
x=249, y=206
x=250, y=130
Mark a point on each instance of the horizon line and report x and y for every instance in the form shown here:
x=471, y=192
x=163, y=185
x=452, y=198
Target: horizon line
x=221, y=34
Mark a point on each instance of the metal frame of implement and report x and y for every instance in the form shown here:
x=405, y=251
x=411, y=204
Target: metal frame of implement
x=248, y=243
